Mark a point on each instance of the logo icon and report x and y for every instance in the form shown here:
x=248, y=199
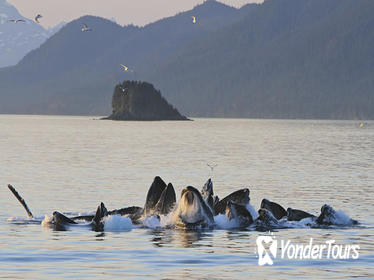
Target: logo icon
x=266, y=247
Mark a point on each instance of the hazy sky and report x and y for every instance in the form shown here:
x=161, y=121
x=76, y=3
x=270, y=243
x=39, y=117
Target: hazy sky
x=138, y=12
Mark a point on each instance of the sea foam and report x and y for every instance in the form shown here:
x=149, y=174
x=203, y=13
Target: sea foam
x=341, y=218
x=151, y=222
x=223, y=222
x=252, y=211
x=117, y=223
x=46, y=221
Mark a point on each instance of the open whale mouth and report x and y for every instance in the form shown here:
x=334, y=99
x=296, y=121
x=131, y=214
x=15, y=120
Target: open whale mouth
x=190, y=208
x=189, y=197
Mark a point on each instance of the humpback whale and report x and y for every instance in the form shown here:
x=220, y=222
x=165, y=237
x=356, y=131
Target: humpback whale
x=153, y=195
x=239, y=197
x=329, y=216
x=192, y=211
x=166, y=201
x=196, y=210
x=60, y=221
x=239, y=213
x=160, y=200
x=278, y=211
x=208, y=195
x=297, y=215
x=266, y=220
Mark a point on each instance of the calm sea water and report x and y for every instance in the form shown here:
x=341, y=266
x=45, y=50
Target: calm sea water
x=71, y=164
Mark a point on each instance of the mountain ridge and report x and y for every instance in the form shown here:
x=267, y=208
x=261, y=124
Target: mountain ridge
x=279, y=59
x=16, y=40
x=277, y=78
x=131, y=44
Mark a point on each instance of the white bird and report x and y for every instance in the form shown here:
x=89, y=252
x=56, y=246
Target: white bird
x=127, y=69
x=193, y=19
x=38, y=17
x=85, y=28
x=124, y=90
x=16, y=20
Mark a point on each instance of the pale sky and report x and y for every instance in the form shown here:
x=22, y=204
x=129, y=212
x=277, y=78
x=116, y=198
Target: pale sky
x=138, y=12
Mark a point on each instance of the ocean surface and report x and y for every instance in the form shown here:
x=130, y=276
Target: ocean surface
x=71, y=164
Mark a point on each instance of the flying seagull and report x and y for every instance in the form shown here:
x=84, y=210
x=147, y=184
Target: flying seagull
x=193, y=19
x=126, y=68
x=38, y=17
x=85, y=28
x=16, y=20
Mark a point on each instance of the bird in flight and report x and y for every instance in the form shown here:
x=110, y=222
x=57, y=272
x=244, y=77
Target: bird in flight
x=127, y=69
x=193, y=19
x=38, y=17
x=16, y=20
x=85, y=28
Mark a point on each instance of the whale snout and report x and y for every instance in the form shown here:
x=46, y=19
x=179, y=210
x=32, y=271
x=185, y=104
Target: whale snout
x=264, y=203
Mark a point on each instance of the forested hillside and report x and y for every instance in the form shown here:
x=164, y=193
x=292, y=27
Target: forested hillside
x=279, y=59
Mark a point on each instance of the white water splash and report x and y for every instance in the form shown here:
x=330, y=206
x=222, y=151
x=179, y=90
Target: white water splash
x=46, y=221
x=117, y=223
x=222, y=222
x=307, y=222
x=340, y=218
x=252, y=211
x=167, y=220
x=304, y=223
x=152, y=222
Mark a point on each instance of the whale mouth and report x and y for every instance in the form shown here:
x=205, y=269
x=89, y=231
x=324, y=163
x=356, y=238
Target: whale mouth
x=264, y=214
x=189, y=196
x=189, y=208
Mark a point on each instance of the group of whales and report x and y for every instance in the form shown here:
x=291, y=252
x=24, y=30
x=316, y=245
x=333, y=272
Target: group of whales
x=197, y=210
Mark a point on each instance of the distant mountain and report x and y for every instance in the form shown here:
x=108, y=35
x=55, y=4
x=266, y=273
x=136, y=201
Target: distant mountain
x=74, y=72
x=285, y=59
x=279, y=59
x=16, y=40
x=54, y=29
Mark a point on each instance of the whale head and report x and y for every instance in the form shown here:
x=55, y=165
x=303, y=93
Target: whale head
x=192, y=210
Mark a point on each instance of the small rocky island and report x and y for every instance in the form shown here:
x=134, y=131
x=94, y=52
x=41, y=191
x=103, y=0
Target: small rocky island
x=140, y=101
